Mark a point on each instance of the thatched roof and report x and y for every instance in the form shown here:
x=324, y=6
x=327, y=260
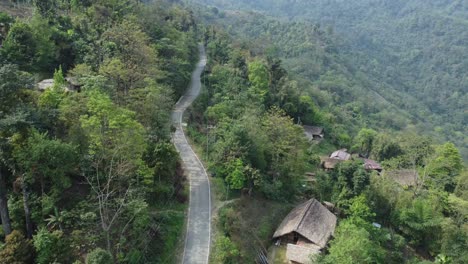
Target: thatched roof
x=45, y=84
x=341, y=155
x=311, y=220
x=329, y=163
x=405, y=177
x=372, y=165
x=72, y=84
x=313, y=131
x=301, y=254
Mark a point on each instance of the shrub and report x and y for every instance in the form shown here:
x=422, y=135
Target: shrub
x=51, y=247
x=17, y=249
x=99, y=256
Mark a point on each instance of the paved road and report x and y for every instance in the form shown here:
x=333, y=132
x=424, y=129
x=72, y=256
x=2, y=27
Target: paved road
x=197, y=240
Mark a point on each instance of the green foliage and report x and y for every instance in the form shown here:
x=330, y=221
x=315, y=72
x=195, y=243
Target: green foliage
x=225, y=251
x=365, y=141
x=445, y=166
x=20, y=46
x=51, y=247
x=17, y=249
x=46, y=162
x=99, y=256
x=258, y=77
x=347, y=180
x=421, y=220
x=352, y=244
x=235, y=178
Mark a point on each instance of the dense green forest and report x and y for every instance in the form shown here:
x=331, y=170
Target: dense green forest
x=264, y=72
x=88, y=172
x=245, y=120
x=412, y=53
x=91, y=172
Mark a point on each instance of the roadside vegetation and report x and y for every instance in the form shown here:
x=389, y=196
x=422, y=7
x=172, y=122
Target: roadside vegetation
x=87, y=169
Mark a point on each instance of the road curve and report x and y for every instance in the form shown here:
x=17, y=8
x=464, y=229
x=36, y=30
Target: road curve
x=197, y=239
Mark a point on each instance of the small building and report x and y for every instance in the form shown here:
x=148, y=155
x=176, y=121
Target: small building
x=313, y=132
x=329, y=163
x=372, y=165
x=404, y=177
x=341, y=154
x=71, y=85
x=306, y=230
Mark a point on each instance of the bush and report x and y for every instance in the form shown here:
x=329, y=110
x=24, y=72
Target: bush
x=51, y=247
x=226, y=251
x=17, y=249
x=99, y=256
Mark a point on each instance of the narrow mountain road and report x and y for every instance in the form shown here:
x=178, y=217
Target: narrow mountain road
x=197, y=240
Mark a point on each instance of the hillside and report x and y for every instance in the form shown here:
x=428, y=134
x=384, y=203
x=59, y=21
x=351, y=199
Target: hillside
x=413, y=52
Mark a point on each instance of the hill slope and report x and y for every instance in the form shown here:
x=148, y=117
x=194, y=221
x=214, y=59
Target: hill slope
x=414, y=52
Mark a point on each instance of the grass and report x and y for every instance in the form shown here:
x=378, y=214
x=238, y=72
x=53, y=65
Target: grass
x=253, y=224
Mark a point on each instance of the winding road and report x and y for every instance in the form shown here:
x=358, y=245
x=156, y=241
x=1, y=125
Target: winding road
x=197, y=239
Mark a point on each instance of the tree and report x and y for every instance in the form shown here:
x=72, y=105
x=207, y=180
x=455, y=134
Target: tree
x=259, y=79
x=421, y=220
x=116, y=146
x=352, y=244
x=130, y=55
x=20, y=46
x=446, y=165
x=365, y=141
x=284, y=152
x=13, y=119
x=46, y=162
x=235, y=178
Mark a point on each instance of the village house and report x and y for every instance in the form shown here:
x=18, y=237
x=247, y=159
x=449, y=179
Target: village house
x=341, y=154
x=71, y=85
x=305, y=231
x=313, y=132
x=372, y=165
x=335, y=158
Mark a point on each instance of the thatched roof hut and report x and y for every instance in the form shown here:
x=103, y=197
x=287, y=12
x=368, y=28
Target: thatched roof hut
x=372, y=165
x=341, y=154
x=404, y=177
x=45, y=84
x=329, y=163
x=313, y=132
x=310, y=222
x=72, y=84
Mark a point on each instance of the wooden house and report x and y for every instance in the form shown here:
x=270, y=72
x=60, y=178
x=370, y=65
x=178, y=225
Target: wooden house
x=306, y=230
x=372, y=165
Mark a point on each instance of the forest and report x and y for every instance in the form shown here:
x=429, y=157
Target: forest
x=89, y=173
x=413, y=53
x=247, y=120
x=87, y=170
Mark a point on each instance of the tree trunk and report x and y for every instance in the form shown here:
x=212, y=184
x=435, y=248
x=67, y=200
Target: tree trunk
x=4, y=214
x=27, y=211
